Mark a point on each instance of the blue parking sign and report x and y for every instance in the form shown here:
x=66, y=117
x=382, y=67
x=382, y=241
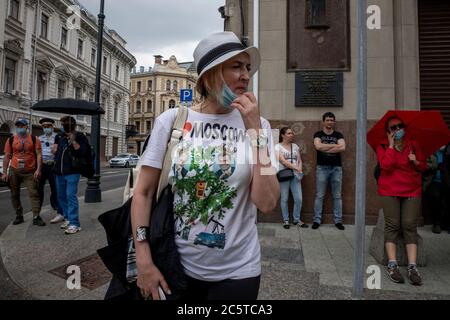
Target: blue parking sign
x=186, y=95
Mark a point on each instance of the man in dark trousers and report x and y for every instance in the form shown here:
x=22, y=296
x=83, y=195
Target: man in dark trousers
x=48, y=161
x=24, y=159
x=329, y=145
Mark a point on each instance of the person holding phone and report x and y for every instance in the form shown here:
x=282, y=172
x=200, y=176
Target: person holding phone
x=400, y=189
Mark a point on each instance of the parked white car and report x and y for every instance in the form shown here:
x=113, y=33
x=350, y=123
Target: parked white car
x=124, y=160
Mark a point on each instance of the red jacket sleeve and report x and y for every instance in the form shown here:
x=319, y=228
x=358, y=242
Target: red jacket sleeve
x=419, y=156
x=386, y=157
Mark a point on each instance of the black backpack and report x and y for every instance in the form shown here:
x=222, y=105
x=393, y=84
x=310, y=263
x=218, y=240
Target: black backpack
x=85, y=164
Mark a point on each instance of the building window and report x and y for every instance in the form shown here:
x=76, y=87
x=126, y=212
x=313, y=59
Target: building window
x=148, y=125
x=10, y=74
x=80, y=49
x=91, y=96
x=138, y=86
x=105, y=63
x=149, y=85
x=138, y=106
x=168, y=85
x=61, y=89
x=93, y=57
x=164, y=106
x=171, y=104
x=117, y=72
x=116, y=112
x=14, y=9
x=78, y=93
x=175, y=85
x=44, y=26
x=149, y=106
x=138, y=126
x=41, y=85
x=63, y=38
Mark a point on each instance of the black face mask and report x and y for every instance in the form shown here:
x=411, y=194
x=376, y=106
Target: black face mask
x=67, y=127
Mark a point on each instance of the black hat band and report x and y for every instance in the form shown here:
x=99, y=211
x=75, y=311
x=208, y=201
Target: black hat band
x=217, y=53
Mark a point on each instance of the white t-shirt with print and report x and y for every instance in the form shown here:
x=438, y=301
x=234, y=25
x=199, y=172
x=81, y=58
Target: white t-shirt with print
x=291, y=157
x=215, y=219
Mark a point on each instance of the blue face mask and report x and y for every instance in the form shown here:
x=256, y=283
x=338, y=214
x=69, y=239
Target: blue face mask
x=48, y=131
x=21, y=131
x=228, y=96
x=62, y=129
x=399, y=134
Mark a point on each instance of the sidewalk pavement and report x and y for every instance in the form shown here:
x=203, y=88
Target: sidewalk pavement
x=296, y=263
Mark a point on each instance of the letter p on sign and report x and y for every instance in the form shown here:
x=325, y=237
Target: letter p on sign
x=186, y=95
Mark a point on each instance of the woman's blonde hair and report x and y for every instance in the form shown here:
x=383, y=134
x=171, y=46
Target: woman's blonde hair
x=211, y=83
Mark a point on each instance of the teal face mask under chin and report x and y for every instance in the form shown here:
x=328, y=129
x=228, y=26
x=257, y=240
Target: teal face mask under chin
x=228, y=96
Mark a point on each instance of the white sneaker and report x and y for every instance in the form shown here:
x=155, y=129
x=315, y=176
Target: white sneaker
x=65, y=224
x=57, y=218
x=72, y=229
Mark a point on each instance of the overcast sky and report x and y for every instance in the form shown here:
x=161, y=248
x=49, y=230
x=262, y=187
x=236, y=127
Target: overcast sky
x=165, y=27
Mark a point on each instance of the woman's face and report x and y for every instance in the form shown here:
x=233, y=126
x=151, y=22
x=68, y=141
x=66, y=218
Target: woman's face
x=394, y=125
x=288, y=136
x=236, y=73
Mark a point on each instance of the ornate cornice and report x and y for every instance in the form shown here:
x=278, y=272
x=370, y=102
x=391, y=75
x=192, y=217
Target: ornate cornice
x=31, y=3
x=15, y=46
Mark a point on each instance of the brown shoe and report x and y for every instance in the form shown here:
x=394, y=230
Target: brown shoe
x=395, y=275
x=414, y=277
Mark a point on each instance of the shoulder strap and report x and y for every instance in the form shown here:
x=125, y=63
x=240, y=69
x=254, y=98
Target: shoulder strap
x=33, y=138
x=177, y=133
x=292, y=154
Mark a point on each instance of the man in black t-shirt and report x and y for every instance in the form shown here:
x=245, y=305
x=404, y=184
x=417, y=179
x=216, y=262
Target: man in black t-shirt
x=329, y=145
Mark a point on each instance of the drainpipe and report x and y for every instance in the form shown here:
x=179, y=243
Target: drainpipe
x=256, y=44
x=33, y=64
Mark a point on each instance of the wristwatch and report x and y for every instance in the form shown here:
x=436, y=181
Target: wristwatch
x=142, y=233
x=260, y=141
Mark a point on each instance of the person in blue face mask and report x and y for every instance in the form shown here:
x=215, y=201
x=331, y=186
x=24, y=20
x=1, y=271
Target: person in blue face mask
x=400, y=190
x=22, y=165
x=229, y=173
x=48, y=161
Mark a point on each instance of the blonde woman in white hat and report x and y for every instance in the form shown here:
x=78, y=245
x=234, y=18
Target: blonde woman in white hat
x=215, y=213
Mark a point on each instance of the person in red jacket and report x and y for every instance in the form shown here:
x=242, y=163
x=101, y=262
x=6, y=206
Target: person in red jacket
x=400, y=188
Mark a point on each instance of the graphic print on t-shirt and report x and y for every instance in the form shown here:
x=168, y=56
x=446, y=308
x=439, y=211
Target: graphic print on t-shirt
x=203, y=162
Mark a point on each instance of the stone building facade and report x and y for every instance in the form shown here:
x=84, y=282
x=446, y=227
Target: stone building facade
x=48, y=51
x=154, y=91
x=408, y=68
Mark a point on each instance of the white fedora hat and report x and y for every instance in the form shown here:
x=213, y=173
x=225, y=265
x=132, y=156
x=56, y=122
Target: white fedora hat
x=218, y=48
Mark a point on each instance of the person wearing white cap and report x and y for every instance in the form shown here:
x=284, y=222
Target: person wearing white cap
x=48, y=161
x=215, y=213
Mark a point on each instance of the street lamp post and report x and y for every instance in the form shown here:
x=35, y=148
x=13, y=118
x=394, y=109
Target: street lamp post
x=93, y=192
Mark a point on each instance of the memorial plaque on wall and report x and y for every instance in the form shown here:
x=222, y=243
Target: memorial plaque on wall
x=319, y=89
x=318, y=35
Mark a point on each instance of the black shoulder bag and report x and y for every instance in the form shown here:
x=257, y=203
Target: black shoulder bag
x=286, y=174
